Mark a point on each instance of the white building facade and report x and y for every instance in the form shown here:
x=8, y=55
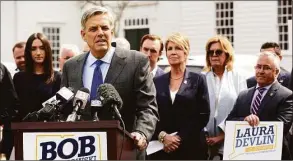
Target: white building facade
x=247, y=23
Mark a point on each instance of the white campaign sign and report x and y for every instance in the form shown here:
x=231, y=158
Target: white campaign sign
x=244, y=142
x=65, y=146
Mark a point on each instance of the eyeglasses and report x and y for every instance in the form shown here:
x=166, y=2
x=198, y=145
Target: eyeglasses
x=218, y=52
x=264, y=67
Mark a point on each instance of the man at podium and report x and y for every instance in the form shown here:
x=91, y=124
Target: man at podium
x=127, y=70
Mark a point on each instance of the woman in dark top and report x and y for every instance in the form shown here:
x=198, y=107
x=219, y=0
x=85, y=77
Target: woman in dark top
x=39, y=81
x=183, y=104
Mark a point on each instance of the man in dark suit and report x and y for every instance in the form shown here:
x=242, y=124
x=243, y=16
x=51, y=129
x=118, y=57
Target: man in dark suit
x=126, y=70
x=291, y=81
x=7, y=109
x=152, y=46
x=268, y=100
x=283, y=77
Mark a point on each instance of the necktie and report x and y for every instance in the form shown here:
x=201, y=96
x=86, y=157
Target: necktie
x=257, y=101
x=97, y=79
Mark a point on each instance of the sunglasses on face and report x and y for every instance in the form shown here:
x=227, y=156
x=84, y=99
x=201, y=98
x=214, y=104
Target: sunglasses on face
x=217, y=52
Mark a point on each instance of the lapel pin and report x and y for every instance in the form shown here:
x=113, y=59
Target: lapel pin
x=271, y=94
x=281, y=81
x=185, y=82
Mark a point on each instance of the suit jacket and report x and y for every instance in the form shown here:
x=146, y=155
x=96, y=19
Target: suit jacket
x=275, y=106
x=7, y=109
x=283, y=79
x=129, y=74
x=291, y=81
x=188, y=115
x=159, y=72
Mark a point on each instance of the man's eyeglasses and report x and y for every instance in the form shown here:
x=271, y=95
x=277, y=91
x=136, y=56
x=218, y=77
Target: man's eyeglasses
x=217, y=52
x=264, y=67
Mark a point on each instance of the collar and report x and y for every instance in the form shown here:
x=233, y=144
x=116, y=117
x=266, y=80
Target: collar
x=154, y=71
x=266, y=87
x=106, y=59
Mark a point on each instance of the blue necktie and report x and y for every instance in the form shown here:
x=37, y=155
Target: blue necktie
x=97, y=79
x=257, y=101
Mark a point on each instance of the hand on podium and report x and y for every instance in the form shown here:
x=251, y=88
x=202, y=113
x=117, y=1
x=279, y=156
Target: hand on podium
x=139, y=140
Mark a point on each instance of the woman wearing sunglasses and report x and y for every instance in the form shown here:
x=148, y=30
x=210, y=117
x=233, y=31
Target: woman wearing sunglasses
x=224, y=85
x=39, y=81
x=182, y=98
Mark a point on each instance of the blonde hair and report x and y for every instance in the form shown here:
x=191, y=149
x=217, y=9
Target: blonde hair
x=226, y=47
x=179, y=39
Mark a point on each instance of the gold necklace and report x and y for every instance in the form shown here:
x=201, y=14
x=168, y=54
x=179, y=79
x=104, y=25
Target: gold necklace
x=177, y=78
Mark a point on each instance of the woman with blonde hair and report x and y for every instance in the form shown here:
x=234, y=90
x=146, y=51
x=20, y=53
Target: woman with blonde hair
x=183, y=104
x=224, y=85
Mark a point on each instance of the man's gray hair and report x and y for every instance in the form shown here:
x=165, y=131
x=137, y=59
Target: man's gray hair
x=98, y=10
x=71, y=47
x=273, y=56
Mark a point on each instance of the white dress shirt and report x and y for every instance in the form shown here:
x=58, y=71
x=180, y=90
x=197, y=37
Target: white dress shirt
x=90, y=66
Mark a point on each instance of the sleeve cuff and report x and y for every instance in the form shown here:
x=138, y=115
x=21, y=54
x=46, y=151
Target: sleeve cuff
x=222, y=125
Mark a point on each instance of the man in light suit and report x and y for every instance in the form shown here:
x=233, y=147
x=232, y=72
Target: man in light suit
x=283, y=77
x=152, y=46
x=268, y=100
x=126, y=70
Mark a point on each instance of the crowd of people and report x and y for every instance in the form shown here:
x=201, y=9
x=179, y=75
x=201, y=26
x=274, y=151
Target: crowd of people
x=185, y=111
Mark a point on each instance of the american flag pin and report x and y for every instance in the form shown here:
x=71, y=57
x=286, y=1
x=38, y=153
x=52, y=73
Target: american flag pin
x=185, y=82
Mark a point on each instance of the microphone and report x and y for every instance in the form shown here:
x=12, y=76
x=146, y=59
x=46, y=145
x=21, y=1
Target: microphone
x=96, y=105
x=79, y=102
x=110, y=97
x=63, y=96
x=55, y=103
x=114, y=44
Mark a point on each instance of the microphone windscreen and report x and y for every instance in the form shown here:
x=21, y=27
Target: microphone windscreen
x=109, y=95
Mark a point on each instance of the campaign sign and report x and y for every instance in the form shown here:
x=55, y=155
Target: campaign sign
x=65, y=146
x=244, y=142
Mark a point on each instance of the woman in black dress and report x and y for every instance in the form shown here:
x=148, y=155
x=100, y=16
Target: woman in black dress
x=39, y=81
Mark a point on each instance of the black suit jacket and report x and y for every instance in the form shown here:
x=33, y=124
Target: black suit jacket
x=8, y=102
x=188, y=115
x=277, y=105
x=159, y=72
x=283, y=79
x=129, y=74
x=291, y=81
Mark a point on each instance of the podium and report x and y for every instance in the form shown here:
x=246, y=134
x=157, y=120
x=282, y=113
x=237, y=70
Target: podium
x=113, y=130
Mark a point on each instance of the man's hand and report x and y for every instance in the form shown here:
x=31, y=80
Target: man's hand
x=139, y=140
x=252, y=119
x=171, y=143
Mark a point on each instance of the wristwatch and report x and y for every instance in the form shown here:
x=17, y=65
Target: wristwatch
x=161, y=136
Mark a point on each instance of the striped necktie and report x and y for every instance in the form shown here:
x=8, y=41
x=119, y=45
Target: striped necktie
x=257, y=100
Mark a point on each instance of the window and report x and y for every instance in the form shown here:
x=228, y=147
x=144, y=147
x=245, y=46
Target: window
x=225, y=20
x=53, y=34
x=284, y=14
x=136, y=22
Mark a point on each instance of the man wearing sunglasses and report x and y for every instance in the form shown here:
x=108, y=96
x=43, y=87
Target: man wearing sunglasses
x=267, y=101
x=283, y=77
x=67, y=51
